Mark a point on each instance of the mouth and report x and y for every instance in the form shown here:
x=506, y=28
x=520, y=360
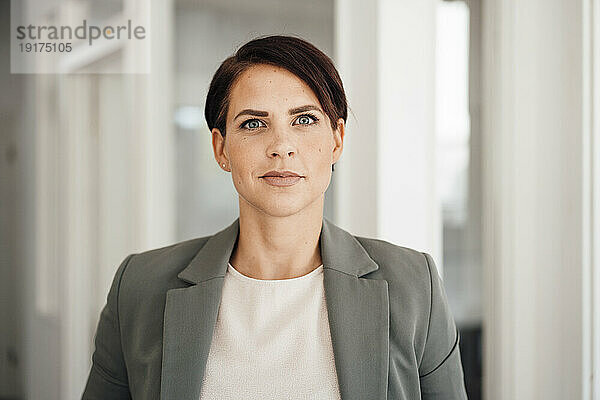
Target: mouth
x=281, y=178
x=281, y=174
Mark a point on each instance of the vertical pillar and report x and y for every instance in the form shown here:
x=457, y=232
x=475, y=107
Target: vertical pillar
x=386, y=184
x=535, y=191
x=154, y=130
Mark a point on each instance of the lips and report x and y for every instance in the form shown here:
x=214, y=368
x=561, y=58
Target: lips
x=281, y=178
x=282, y=174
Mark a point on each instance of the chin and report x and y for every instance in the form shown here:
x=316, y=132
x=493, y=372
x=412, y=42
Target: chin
x=280, y=204
x=281, y=207
x=282, y=210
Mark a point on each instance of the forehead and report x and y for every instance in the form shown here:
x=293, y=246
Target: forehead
x=266, y=87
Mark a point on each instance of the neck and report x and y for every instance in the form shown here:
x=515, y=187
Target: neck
x=274, y=247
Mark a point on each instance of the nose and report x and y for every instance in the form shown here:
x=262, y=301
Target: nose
x=282, y=145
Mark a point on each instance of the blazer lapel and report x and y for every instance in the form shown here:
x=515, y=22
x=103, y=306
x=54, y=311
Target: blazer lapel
x=191, y=315
x=358, y=312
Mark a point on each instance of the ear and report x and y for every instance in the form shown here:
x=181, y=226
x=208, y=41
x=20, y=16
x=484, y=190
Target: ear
x=218, y=144
x=338, y=137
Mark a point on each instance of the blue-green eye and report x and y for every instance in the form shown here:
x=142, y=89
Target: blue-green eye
x=252, y=124
x=306, y=119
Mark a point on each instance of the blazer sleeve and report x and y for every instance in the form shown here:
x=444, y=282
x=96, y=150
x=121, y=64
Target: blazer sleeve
x=440, y=370
x=107, y=379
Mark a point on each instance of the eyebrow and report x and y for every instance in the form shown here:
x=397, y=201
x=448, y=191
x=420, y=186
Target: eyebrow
x=292, y=111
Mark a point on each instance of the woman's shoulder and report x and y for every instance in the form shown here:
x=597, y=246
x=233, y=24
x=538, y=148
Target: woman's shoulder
x=416, y=295
x=172, y=254
x=156, y=269
x=397, y=261
x=411, y=274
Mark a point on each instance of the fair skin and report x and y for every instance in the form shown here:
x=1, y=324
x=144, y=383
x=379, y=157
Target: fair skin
x=279, y=225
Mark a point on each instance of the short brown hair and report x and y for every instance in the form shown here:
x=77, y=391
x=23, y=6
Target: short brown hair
x=296, y=55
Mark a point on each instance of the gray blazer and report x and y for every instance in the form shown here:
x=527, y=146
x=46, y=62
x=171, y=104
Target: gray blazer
x=392, y=331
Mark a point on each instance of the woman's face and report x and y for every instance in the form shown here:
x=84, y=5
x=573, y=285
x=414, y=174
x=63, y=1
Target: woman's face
x=276, y=123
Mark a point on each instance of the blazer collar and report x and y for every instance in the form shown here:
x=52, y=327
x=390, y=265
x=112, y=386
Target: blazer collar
x=339, y=250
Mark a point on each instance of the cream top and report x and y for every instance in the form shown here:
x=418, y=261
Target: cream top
x=271, y=340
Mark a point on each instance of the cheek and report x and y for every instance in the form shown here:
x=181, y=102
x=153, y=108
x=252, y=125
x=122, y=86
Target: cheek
x=245, y=157
x=320, y=153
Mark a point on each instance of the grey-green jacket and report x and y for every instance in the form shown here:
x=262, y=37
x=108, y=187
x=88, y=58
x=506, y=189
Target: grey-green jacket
x=392, y=331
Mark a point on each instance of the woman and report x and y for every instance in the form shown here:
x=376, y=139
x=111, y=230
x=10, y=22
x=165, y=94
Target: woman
x=282, y=303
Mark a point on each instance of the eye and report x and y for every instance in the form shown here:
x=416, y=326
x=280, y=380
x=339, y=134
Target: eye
x=252, y=124
x=306, y=119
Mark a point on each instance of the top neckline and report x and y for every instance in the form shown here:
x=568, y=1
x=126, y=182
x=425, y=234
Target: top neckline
x=304, y=277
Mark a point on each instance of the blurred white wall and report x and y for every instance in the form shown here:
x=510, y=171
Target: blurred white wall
x=538, y=202
x=392, y=137
x=92, y=183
